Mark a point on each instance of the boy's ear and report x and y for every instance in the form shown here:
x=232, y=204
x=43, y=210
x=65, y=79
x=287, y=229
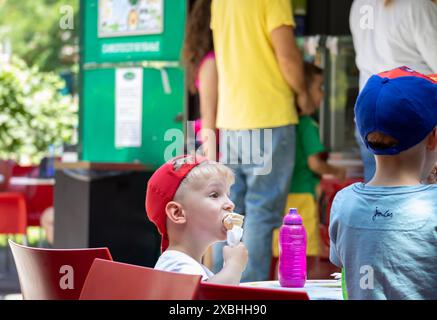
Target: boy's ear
x=175, y=212
x=431, y=143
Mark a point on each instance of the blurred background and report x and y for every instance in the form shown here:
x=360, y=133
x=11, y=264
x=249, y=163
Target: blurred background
x=63, y=147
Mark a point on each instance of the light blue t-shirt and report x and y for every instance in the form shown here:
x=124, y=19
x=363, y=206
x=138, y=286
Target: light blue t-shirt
x=386, y=240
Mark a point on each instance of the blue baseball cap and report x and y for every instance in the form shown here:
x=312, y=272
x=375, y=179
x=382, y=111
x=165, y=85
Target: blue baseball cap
x=400, y=103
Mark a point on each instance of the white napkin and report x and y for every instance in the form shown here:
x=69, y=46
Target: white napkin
x=336, y=275
x=234, y=236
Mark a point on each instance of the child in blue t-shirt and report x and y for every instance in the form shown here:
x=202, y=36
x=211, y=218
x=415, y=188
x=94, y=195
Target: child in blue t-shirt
x=384, y=233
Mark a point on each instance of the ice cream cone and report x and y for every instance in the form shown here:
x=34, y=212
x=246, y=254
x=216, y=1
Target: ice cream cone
x=233, y=219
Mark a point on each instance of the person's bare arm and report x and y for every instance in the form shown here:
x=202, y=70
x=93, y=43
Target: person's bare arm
x=291, y=65
x=208, y=95
x=230, y=274
x=235, y=260
x=321, y=167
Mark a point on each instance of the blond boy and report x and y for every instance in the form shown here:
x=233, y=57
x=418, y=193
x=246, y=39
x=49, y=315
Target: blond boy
x=187, y=199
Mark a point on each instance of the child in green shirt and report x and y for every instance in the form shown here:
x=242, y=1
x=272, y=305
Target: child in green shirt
x=310, y=165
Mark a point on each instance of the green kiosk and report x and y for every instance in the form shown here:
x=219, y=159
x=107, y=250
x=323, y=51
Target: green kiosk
x=132, y=101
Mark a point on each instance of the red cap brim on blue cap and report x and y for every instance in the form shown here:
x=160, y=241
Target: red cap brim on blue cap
x=400, y=103
x=407, y=72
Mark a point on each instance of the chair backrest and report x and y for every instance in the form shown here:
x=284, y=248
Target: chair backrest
x=212, y=291
x=5, y=173
x=13, y=213
x=24, y=171
x=54, y=274
x=38, y=199
x=108, y=280
x=329, y=188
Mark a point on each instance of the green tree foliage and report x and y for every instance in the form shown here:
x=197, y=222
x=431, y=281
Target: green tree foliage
x=33, y=114
x=33, y=27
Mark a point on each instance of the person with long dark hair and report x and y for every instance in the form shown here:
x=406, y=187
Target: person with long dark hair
x=201, y=70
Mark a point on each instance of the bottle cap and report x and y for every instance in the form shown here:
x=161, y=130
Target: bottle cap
x=293, y=217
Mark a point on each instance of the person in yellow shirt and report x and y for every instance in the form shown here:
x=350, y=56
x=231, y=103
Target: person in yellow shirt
x=261, y=83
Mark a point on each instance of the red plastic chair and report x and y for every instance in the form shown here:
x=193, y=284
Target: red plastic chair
x=13, y=214
x=109, y=280
x=5, y=174
x=54, y=274
x=24, y=171
x=329, y=188
x=13, y=218
x=212, y=291
x=38, y=197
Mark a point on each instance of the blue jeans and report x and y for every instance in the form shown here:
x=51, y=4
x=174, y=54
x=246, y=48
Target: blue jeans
x=259, y=196
x=367, y=157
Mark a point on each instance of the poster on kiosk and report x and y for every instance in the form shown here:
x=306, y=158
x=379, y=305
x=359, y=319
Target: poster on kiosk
x=132, y=82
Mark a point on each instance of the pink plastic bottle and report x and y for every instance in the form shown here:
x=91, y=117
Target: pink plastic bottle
x=292, y=251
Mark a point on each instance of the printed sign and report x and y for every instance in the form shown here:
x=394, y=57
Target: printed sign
x=128, y=107
x=130, y=17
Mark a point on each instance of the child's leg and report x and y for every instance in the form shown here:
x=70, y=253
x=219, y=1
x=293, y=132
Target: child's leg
x=306, y=207
x=308, y=210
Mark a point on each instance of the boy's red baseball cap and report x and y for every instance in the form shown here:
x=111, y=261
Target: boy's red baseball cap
x=161, y=189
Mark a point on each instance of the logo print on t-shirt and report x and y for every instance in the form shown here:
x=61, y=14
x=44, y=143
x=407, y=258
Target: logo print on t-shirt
x=386, y=214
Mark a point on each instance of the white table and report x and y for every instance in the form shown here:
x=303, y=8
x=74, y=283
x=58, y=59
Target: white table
x=25, y=181
x=316, y=289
